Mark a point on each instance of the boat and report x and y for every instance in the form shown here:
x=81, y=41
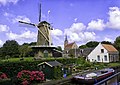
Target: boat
x=93, y=77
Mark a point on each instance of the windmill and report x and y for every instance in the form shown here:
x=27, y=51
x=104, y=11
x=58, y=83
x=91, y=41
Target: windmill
x=44, y=28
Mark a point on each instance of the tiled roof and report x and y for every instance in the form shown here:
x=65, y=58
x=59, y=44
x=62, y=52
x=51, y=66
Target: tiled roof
x=69, y=45
x=109, y=48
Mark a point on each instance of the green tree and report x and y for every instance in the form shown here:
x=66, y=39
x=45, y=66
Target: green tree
x=24, y=50
x=59, y=48
x=32, y=43
x=0, y=52
x=92, y=44
x=117, y=43
x=82, y=46
x=10, y=48
x=106, y=42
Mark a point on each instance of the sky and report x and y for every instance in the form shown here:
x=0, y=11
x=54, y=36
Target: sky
x=81, y=20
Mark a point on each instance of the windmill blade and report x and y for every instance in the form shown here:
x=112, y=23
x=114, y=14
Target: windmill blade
x=40, y=13
x=27, y=23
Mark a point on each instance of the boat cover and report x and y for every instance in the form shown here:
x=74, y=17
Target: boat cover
x=91, y=75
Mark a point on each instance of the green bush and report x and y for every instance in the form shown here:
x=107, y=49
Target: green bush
x=57, y=72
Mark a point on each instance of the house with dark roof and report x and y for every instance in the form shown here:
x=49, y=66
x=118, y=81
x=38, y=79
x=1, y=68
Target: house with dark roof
x=51, y=68
x=104, y=53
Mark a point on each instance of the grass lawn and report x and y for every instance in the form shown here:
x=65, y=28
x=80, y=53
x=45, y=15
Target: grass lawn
x=17, y=59
x=114, y=64
x=26, y=59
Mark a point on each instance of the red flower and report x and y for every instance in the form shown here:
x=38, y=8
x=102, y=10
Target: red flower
x=26, y=76
x=3, y=76
x=25, y=82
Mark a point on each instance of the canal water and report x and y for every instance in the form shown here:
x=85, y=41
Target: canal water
x=113, y=81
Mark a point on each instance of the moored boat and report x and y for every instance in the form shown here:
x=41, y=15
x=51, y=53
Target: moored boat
x=94, y=77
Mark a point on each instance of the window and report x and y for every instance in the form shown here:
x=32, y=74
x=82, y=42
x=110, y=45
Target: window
x=102, y=50
x=98, y=58
x=45, y=53
x=105, y=57
x=43, y=66
x=67, y=52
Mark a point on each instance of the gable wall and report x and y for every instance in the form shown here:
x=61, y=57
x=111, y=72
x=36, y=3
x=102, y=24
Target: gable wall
x=74, y=46
x=97, y=51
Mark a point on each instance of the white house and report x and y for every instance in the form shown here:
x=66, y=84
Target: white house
x=104, y=53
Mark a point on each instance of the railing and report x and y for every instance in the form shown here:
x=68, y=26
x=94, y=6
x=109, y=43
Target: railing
x=105, y=80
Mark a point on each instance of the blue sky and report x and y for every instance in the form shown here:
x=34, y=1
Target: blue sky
x=81, y=20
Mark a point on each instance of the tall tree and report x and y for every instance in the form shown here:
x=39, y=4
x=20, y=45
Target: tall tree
x=10, y=48
x=25, y=50
x=117, y=43
x=92, y=44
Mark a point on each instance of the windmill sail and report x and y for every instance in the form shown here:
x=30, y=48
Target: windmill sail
x=27, y=23
x=43, y=37
x=40, y=13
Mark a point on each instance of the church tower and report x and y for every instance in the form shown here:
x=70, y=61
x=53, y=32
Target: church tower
x=66, y=41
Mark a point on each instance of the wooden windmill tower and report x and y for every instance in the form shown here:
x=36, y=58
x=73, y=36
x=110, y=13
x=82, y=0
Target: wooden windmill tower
x=43, y=47
x=44, y=28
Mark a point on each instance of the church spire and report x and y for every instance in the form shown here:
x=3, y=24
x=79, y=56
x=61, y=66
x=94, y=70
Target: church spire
x=66, y=41
x=66, y=38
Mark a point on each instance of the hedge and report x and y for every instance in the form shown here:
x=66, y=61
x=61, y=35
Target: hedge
x=12, y=68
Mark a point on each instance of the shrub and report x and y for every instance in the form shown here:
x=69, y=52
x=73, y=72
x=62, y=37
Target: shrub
x=37, y=76
x=25, y=77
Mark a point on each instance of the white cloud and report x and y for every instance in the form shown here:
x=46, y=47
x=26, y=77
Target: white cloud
x=13, y=18
x=6, y=14
x=74, y=37
x=4, y=2
x=96, y=25
x=26, y=35
x=77, y=27
x=108, y=39
x=22, y=18
x=4, y=28
x=76, y=33
x=87, y=36
x=56, y=35
x=1, y=43
x=114, y=18
x=56, y=32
